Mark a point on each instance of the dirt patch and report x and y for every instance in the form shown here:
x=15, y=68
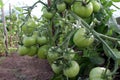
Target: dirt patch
x=15, y=67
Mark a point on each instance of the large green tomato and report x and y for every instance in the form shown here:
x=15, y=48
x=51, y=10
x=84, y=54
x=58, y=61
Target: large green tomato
x=82, y=10
x=81, y=39
x=97, y=73
x=32, y=51
x=22, y=50
x=56, y=68
x=42, y=40
x=42, y=52
x=96, y=6
x=61, y=7
x=29, y=41
x=72, y=70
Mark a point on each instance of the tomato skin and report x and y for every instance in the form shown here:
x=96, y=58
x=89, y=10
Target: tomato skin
x=56, y=68
x=73, y=70
x=42, y=52
x=42, y=40
x=61, y=7
x=81, y=40
x=96, y=6
x=32, y=51
x=29, y=41
x=96, y=73
x=22, y=50
x=81, y=10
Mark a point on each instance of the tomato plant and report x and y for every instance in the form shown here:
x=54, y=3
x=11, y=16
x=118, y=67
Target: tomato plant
x=75, y=36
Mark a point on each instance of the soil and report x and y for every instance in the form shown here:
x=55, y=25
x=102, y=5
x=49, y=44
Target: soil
x=15, y=67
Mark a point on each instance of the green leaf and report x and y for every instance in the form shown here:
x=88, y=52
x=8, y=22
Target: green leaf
x=1, y=3
x=116, y=0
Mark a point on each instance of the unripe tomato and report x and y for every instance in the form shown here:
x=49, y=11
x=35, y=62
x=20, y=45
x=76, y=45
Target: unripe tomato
x=22, y=50
x=32, y=51
x=47, y=15
x=82, y=10
x=61, y=7
x=97, y=73
x=52, y=55
x=42, y=40
x=96, y=6
x=72, y=70
x=81, y=39
x=29, y=41
x=42, y=52
x=56, y=68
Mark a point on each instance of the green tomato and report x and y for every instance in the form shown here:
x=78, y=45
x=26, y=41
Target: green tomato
x=47, y=15
x=82, y=10
x=61, y=7
x=32, y=51
x=72, y=70
x=29, y=41
x=22, y=50
x=29, y=27
x=56, y=68
x=42, y=52
x=97, y=73
x=42, y=40
x=68, y=1
x=52, y=55
x=96, y=6
x=81, y=39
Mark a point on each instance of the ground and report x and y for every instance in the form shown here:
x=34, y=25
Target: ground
x=15, y=67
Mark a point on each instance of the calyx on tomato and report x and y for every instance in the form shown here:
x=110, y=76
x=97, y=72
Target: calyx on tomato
x=81, y=9
x=81, y=39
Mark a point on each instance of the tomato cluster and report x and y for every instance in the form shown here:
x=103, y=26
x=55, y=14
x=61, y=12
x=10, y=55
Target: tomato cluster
x=33, y=43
